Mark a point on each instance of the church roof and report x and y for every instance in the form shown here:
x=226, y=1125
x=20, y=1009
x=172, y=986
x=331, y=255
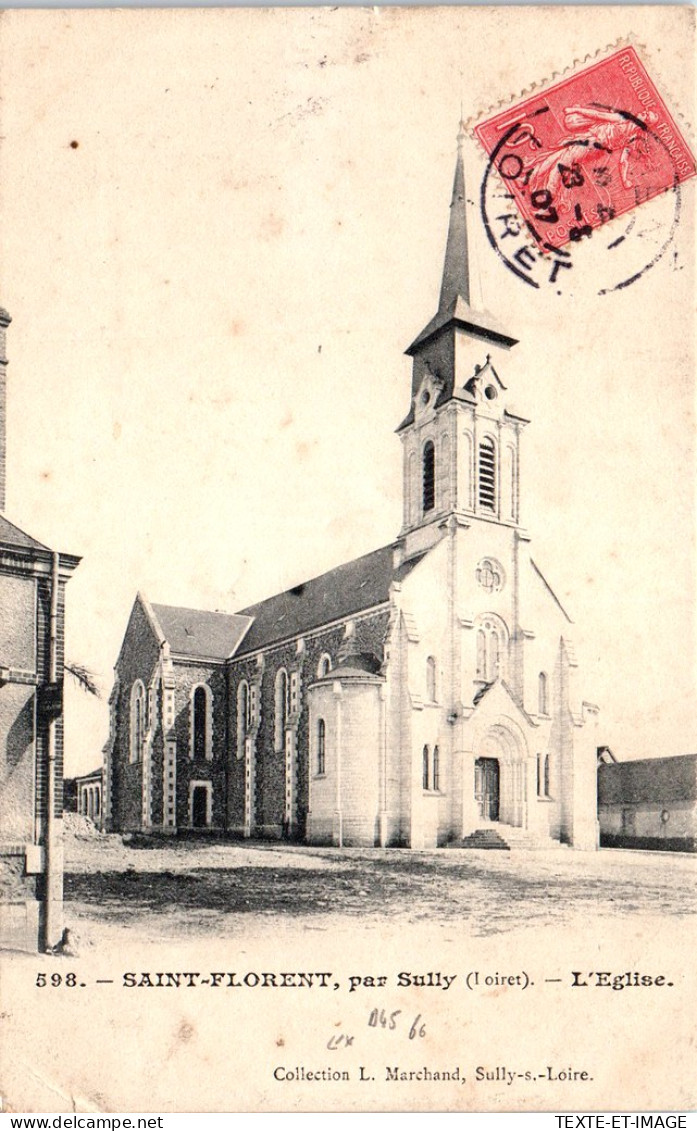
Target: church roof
x=200, y=634
x=11, y=535
x=459, y=313
x=348, y=589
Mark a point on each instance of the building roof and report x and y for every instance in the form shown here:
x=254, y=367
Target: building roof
x=346, y=590
x=11, y=535
x=93, y=775
x=200, y=634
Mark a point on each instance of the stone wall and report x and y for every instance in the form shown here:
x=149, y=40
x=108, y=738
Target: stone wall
x=270, y=765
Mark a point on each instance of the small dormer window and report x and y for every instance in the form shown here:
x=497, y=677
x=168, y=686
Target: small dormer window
x=490, y=393
x=429, y=476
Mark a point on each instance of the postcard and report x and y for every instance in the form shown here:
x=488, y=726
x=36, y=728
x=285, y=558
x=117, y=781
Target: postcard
x=347, y=562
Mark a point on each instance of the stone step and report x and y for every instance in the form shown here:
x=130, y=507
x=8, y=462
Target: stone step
x=506, y=837
x=484, y=838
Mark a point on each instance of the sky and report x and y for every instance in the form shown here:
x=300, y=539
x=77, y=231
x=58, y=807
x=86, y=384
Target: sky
x=221, y=230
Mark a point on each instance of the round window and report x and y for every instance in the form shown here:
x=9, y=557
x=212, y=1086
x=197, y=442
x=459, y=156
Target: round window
x=490, y=575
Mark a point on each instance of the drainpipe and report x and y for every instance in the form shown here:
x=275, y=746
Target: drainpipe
x=53, y=871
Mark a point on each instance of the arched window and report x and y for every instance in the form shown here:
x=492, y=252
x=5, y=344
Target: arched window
x=539, y=775
x=543, y=704
x=435, y=776
x=242, y=716
x=137, y=720
x=492, y=644
x=324, y=666
x=431, y=679
x=426, y=775
x=321, y=746
x=429, y=476
x=281, y=710
x=201, y=722
x=487, y=475
x=545, y=783
x=97, y=800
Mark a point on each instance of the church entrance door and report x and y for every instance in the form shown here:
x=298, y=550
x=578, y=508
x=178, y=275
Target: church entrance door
x=486, y=788
x=199, y=807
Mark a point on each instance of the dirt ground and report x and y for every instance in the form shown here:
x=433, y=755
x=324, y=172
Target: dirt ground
x=79, y=1037
x=206, y=886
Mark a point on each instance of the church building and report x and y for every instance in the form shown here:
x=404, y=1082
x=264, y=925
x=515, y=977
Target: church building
x=423, y=694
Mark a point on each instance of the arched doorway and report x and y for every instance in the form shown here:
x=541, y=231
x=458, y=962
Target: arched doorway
x=500, y=774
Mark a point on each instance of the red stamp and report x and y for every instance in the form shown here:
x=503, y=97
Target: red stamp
x=586, y=150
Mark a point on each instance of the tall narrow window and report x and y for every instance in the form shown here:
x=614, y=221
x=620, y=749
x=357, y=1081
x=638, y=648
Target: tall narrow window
x=242, y=716
x=435, y=776
x=425, y=770
x=545, y=783
x=200, y=732
x=324, y=666
x=539, y=775
x=281, y=713
x=137, y=720
x=431, y=679
x=543, y=704
x=200, y=722
x=429, y=477
x=487, y=475
x=321, y=746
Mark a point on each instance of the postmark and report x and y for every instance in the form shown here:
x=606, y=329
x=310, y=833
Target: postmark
x=586, y=151
x=580, y=229
x=602, y=260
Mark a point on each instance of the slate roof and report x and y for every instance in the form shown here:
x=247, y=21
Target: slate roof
x=348, y=589
x=458, y=312
x=11, y=535
x=194, y=632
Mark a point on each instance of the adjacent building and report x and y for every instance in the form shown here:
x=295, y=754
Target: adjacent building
x=649, y=803
x=32, y=620
x=410, y=697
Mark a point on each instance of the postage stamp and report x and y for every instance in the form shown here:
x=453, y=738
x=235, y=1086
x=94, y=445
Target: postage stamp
x=586, y=150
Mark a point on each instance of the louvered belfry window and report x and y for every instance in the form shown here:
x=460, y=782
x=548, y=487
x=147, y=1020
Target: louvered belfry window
x=429, y=477
x=487, y=475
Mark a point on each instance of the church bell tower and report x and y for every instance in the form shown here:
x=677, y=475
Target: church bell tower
x=460, y=441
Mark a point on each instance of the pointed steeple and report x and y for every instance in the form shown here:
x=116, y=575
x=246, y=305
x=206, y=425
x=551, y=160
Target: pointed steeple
x=454, y=309
x=456, y=277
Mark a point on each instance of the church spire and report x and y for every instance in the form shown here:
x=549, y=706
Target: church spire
x=454, y=306
x=456, y=272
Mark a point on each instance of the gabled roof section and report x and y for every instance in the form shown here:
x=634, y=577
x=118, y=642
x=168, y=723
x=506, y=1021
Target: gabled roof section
x=200, y=634
x=342, y=592
x=11, y=535
x=489, y=689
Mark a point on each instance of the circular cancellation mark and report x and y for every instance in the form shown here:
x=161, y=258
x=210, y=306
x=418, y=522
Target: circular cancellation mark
x=597, y=258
